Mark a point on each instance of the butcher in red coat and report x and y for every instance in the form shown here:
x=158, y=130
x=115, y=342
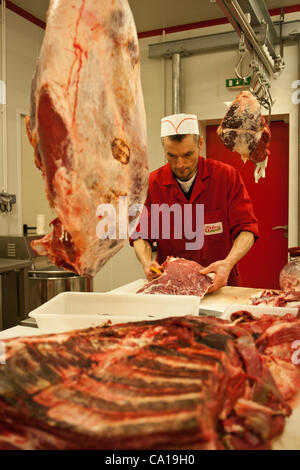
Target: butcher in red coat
x=196, y=208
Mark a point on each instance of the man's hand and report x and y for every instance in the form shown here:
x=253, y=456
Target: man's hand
x=222, y=270
x=143, y=251
x=150, y=275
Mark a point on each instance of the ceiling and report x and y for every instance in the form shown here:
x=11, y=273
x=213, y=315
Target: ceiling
x=157, y=14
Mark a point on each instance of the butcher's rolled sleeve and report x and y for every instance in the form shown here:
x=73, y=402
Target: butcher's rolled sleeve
x=241, y=213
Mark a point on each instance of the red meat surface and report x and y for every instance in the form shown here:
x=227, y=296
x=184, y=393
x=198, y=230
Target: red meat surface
x=176, y=383
x=180, y=277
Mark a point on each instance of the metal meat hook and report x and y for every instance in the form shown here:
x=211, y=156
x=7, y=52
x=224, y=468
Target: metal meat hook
x=242, y=53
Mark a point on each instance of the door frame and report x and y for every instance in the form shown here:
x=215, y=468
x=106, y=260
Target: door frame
x=20, y=113
x=290, y=118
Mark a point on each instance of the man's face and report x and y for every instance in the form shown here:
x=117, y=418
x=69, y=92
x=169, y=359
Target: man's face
x=182, y=156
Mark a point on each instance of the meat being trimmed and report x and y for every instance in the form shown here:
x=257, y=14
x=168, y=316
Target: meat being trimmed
x=88, y=129
x=244, y=129
x=180, y=277
x=176, y=383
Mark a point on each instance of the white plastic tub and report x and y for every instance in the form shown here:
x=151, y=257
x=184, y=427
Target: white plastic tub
x=76, y=310
x=257, y=310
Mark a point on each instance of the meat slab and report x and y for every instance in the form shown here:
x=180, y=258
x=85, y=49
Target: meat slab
x=87, y=127
x=244, y=129
x=274, y=338
x=180, y=277
x=176, y=383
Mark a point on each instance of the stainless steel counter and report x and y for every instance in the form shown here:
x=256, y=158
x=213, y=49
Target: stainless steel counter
x=14, y=294
x=12, y=264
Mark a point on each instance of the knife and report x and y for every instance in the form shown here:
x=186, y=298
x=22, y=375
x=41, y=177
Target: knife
x=154, y=270
x=206, y=312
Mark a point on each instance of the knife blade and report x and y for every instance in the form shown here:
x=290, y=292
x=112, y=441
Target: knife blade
x=207, y=312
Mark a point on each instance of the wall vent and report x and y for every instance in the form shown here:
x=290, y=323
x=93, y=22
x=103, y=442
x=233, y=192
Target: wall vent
x=11, y=250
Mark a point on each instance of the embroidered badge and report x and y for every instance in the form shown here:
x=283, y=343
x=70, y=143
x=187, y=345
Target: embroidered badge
x=212, y=229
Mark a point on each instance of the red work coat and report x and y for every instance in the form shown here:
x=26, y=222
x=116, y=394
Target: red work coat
x=227, y=211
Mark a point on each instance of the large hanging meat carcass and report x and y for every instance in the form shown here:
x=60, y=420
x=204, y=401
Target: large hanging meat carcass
x=244, y=130
x=87, y=127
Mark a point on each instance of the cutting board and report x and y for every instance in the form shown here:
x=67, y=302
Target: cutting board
x=227, y=296
x=216, y=301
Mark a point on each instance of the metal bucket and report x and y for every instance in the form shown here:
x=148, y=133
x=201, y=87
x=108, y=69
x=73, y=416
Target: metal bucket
x=46, y=284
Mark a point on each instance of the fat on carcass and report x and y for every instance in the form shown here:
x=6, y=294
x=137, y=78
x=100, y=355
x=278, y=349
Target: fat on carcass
x=88, y=129
x=244, y=130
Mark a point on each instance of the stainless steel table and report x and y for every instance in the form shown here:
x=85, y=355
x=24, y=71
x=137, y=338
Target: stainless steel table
x=14, y=292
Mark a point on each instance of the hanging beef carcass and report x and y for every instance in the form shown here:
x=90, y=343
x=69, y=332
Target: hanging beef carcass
x=88, y=128
x=244, y=130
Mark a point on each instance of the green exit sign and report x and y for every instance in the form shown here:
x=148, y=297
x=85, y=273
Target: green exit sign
x=237, y=82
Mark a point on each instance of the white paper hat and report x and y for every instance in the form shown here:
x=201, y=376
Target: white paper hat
x=179, y=124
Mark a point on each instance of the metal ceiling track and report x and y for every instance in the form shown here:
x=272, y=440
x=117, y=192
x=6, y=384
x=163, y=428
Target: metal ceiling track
x=251, y=19
x=212, y=42
x=258, y=35
x=261, y=36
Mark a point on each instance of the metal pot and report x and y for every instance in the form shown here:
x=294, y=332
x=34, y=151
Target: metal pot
x=45, y=284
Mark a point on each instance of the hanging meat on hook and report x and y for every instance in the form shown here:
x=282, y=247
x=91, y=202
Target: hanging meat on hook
x=88, y=127
x=244, y=130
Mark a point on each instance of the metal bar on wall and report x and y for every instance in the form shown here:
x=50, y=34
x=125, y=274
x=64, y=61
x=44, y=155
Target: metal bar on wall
x=176, y=82
x=212, y=42
x=3, y=96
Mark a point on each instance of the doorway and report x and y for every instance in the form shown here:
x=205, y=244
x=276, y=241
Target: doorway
x=260, y=268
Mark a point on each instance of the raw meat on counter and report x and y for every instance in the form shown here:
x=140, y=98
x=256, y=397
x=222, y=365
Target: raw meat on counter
x=274, y=337
x=244, y=129
x=276, y=299
x=176, y=383
x=88, y=128
x=289, y=296
x=180, y=277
